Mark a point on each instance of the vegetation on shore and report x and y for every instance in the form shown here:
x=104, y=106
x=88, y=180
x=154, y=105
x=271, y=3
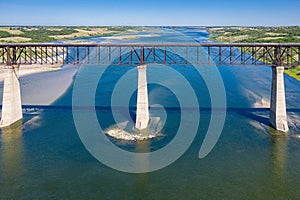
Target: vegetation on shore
x=293, y=72
x=50, y=34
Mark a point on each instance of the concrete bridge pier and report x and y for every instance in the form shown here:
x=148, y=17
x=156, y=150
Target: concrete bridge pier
x=142, y=111
x=11, y=103
x=278, y=117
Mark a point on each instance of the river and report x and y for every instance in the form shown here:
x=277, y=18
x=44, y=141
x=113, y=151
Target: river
x=46, y=159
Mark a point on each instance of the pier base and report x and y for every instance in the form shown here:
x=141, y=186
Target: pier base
x=278, y=117
x=11, y=104
x=142, y=111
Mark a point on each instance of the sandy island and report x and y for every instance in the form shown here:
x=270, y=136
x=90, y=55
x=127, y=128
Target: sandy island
x=132, y=37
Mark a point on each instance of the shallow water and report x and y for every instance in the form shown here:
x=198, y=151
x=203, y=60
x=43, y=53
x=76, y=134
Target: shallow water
x=46, y=159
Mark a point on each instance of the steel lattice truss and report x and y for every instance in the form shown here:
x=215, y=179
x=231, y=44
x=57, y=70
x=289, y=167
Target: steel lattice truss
x=287, y=55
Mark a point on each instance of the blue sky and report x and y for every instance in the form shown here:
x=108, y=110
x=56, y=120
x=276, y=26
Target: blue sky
x=150, y=12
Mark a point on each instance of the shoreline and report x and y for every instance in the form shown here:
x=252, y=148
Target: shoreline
x=293, y=72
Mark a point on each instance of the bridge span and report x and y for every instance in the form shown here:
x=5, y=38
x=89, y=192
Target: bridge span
x=278, y=56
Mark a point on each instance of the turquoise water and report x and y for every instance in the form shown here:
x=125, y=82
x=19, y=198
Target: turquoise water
x=45, y=159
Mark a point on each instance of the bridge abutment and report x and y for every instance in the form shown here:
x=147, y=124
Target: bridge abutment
x=142, y=111
x=11, y=103
x=278, y=116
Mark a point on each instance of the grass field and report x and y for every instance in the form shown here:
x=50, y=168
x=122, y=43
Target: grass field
x=50, y=34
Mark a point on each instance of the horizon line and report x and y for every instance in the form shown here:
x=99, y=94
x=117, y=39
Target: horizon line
x=202, y=26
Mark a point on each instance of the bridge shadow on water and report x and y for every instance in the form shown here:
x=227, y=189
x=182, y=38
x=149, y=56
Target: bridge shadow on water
x=260, y=115
x=253, y=114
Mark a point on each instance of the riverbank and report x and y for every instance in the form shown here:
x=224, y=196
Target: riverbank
x=293, y=72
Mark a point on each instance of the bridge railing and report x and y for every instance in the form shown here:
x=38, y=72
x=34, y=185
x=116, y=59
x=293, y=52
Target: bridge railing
x=134, y=54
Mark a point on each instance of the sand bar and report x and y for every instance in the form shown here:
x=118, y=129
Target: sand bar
x=41, y=87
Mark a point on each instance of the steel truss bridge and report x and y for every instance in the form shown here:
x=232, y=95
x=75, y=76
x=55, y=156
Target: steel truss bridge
x=287, y=55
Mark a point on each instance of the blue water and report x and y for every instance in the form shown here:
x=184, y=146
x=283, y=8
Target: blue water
x=47, y=160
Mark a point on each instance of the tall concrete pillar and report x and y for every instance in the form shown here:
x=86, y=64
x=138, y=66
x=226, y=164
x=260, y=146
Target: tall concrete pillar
x=278, y=117
x=142, y=111
x=11, y=104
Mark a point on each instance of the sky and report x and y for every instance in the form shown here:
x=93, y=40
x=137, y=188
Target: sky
x=150, y=12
